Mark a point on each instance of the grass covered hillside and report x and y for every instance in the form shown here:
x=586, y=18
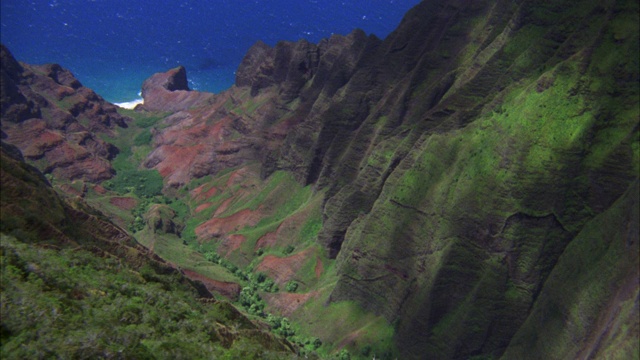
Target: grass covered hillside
x=76, y=286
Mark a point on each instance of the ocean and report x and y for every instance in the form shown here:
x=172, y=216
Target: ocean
x=112, y=46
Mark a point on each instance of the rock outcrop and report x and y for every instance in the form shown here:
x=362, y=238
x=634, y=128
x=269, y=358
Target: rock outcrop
x=251, y=121
x=54, y=120
x=169, y=91
x=161, y=218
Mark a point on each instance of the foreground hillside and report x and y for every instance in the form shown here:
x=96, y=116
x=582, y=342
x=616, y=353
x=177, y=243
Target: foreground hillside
x=76, y=286
x=465, y=188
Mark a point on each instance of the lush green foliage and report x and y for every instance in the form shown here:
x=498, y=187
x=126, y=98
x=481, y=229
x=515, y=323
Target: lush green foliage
x=73, y=304
x=143, y=183
x=291, y=286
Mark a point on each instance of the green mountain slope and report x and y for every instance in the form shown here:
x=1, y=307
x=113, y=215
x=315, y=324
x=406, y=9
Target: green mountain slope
x=465, y=188
x=74, y=285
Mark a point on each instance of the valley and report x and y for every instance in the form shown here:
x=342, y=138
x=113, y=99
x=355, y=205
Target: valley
x=466, y=188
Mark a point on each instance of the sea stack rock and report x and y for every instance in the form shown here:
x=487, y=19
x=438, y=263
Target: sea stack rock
x=169, y=91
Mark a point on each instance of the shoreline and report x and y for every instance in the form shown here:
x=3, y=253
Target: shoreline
x=129, y=104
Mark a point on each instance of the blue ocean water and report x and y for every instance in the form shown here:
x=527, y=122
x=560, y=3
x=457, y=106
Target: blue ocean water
x=111, y=46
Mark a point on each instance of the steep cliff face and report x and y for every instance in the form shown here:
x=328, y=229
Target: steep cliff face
x=55, y=121
x=466, y=158
x=472, y=179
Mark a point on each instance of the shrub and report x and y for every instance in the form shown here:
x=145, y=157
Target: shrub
x=292, y=286
x=288, y=250
x=344, y=355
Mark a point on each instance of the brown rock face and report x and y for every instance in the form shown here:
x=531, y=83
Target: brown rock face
x=161, y=218
x=169, y=91
x=42, y=107
x=424, y=234
x=252, y=120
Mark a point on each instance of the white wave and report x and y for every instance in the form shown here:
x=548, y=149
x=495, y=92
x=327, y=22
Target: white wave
x=130, y=104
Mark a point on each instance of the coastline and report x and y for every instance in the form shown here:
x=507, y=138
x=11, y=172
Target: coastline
x=129, y=104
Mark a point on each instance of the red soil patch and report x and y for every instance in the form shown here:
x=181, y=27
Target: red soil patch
x=286, y=303
x=72, y=191
x=229, y=290
x=286, y=230
x=211, y=192
x=203, y=207
x=283, y=269
x=64, y=152
x=220, y=226
x=198, y=195
x=177, y=160
x=223, y=207
x=237, y=177
x=319, y=268
x=231, y=243
x=195, y=193
x=99, y=190
x=125, y=203
x=267, y=240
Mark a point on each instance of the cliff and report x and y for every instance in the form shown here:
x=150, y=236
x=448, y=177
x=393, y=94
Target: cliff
x=170, y=92
x=465, y=161
x=466, y=187
x=55, y=121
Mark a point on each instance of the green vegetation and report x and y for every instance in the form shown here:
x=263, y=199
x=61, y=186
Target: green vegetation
x=73, y=304
x=142, y=183
x=466, y=202
x=291, y=286
x=143, y=138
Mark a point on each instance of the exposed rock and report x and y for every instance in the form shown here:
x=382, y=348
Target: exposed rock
x=160, y=218
x=169, y=91
x=439, y=201
x=206, y=139
x=41, y=111
x=227, y=289
x=202, y=141
x=479, y=169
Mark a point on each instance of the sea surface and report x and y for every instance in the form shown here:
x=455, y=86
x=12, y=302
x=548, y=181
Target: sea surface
x=112, y=46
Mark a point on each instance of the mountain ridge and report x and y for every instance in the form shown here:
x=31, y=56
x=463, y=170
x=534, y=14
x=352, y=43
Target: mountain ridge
x=459, y=169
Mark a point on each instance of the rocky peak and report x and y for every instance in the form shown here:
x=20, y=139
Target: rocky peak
x=41, y=108
x=291, y=65
x=14, y=107
x=172, y=80
x=61, y=76
x=169, y=91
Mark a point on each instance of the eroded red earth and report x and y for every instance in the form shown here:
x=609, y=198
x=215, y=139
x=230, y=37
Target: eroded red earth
x=283, y=269
x=218, y=227
x=227, y=289
x=286, y=303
